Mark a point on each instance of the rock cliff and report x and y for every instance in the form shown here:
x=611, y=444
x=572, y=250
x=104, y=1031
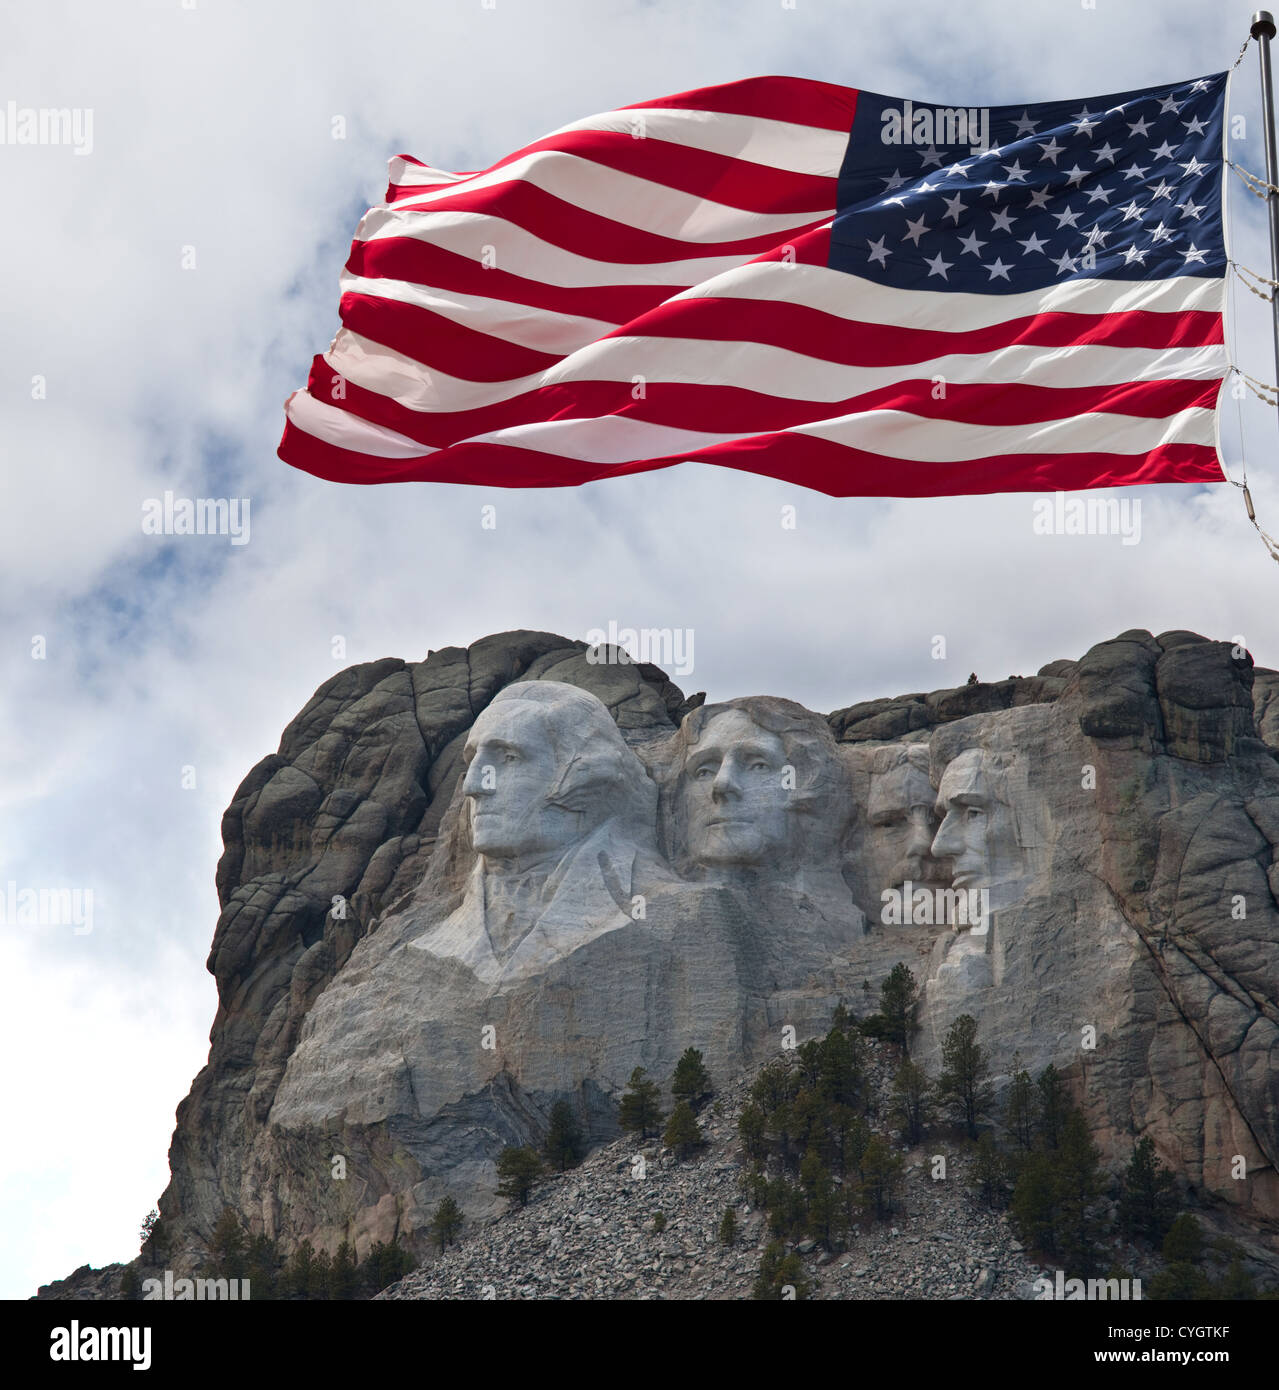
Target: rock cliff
x=448, y=902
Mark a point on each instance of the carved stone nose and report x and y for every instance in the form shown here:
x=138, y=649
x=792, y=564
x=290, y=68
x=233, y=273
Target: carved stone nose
x=725, y=784
x=473, y=782
x=944, y=839
x=920, y=841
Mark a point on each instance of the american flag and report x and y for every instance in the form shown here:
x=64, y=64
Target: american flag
x=862, y=295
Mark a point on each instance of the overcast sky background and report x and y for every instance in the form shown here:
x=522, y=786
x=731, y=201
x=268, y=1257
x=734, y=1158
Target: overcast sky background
x=212, y=129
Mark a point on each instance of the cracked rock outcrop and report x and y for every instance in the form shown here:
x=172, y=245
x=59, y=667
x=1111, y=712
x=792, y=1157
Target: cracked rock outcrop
x=467, y=887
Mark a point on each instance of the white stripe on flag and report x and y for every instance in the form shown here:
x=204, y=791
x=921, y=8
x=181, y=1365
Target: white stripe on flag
x=503, y=318
x=900, y=435
x=797, y=149
x=771, y=371
x=490, y=239
x=626, y=198
x=849, y=296
x=615, y=439
x=347, y=431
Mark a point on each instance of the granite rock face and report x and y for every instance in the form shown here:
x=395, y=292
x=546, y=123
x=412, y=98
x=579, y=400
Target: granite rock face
x=317, y=840
x=467, y=887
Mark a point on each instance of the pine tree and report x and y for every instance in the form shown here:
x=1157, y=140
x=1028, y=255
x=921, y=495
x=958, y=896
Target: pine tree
x=751, y=1128
x=682, y=1132
x=898, y=996
x=226, y=1248
x=564, y=1147
x=809, y=1056
x=989, y=1176
x=518, y=1168
x=299, y=1272
x=840, y=1066
x=774, y=1087
x=807, y=1119
x=881, y=1176
x=963, y=1083
x=1184, y=1243
x=1033, y=1208
x=320, y=1285
x=912, y=1094
x=773, y=1091
x=692, y=1081
x=659, y=1222
x=446, y=1222
x=371, y=1270
x=1054, y=1104
x=728, y=1227
x=848, y=1136
x=384, y=1265
x=781, y=1128
x=1238, y=1285
x=787, y=1208
x=154, y=1236
x=1180, y=1283
x=1183, y=1248
x=262, y=1265
x=823, y=1215
x=1148, y=1199
x=641, y=1108
x=396, y=1261
x=780, y=1275
x=1021, y=1109
x=1079, y=1187
x=344, y=1279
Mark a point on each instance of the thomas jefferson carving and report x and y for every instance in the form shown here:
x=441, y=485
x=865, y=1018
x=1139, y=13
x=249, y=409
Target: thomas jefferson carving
x=762, y=802
x=901, y=821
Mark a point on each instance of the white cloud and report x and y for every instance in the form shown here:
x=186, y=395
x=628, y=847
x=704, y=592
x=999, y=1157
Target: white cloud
x=213, y=130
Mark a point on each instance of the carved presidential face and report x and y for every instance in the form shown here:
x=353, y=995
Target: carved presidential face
x=512, y=770
x=903, y=824
x=736, y=794
x=978, y=833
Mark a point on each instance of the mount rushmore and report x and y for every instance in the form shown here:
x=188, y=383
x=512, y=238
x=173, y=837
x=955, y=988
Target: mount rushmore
x=468, y=887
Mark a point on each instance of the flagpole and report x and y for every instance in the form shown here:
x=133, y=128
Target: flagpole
x=1263, y=30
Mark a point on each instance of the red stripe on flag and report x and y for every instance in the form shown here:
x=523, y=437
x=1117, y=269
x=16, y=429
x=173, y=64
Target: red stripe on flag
x=797, y=100
x=436, y=341
x=800, y=328
x=731, y=409
x=736, y=183
x=589, y=234
x=840, y=471
x=834, y=469
x=421, y=263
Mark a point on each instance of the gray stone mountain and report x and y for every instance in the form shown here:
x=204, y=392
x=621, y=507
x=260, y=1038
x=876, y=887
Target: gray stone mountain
x=467, y=887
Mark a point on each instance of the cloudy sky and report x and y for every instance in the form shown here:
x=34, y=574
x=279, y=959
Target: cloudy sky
x=165, y=292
